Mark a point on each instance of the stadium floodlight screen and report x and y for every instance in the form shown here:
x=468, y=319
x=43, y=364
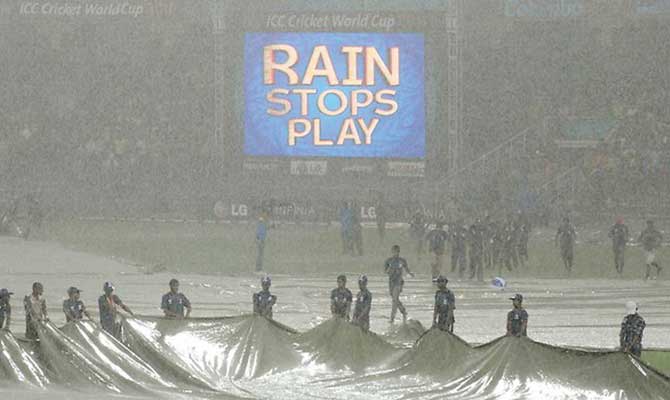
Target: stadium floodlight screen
x=334, y=95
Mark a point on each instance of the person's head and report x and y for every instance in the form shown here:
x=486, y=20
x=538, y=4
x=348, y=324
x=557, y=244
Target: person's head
x=395, y=250
x=38, y=289
x=174, y=285
x=341, y=281
x=363, y=282
x=73, y=293
x=442, y=281
x=517, y=300
x=266, y=281
x=650, y=223
x=108, y=288
x=631, y=308
x=619, y=220
x=5, y=294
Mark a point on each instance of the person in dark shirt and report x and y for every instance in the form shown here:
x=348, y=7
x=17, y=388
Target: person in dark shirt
x=173, y=302
x=36, y=310
x=651, y=240
x=340, y=299
x=458, y=235
x=632, y=329
x=108, y=305
x=417, y=231
x=517, y=319
x=73, y=308
x=264, y=300
x=476, y=235
x=363, y=305
x=261, y=235
x=445, y=303
x=357, y=230
x=5, y=309
x=523, y=228
x=394, y=268
x=565, y=238
x=508, y=249
x=380, y=217
x=437, y=239
x=619, y=235
x=346, y=227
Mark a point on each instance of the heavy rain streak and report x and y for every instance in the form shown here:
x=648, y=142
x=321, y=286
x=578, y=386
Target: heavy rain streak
x=351, y=199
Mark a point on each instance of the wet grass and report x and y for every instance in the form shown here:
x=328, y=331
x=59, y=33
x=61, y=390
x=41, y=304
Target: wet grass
x=229, y=249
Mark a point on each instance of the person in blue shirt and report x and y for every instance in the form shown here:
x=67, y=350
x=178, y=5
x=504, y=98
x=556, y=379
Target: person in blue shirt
x=261, y=235
x=73, y=307
x=340, y=299
x=346, y=228
x=108, y=305
x=517, y=319
x=394, y=267
x=445, y=303
x=174, y=302
x=363, y=305
x=5, y=309
x=264, y=300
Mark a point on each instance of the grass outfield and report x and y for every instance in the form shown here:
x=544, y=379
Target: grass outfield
x=230, y=249
x=659, y=359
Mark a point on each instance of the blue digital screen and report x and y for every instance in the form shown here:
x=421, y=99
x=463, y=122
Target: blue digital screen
x=334, y=95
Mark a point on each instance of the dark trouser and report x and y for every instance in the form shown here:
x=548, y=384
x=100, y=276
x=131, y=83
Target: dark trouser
x=363, y=322
x=476, y=266
x=458, y=260
x=619, y=258
x=31, y=330
x=358, y=241
x=260, y=245
x=347, y=245
x=419, y=247
x=112, y=328
x=396, y=304
x=436, y=265
x=508, y=257
x=445, y=322
x=636, y=350
x=567, y=255
x=381, y=227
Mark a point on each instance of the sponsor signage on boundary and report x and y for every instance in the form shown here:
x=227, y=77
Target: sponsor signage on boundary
x=407, y=168
x=543, y=8
x=651, y=7
x=300, y=167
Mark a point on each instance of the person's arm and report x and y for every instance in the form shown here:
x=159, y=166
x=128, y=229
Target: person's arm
x=524, y=325
x=66, y=311
x=43, y=305
x=255, y=304
x=349, y=300
x=509, y=324
x=435, y=311
x=368, y=306
x=332, y=302
x=120, y=303
x=187, y=304
x=8, y=317
x=622, y=331
x=85, y=312
x=405, y=265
